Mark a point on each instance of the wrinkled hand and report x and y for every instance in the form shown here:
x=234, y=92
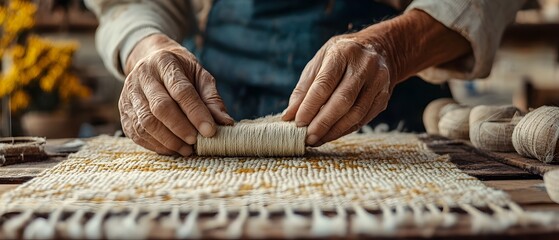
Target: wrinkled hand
x=168, y=98
x=342, y=88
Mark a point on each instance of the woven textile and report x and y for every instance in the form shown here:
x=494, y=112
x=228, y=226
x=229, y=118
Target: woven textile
x=376, y=172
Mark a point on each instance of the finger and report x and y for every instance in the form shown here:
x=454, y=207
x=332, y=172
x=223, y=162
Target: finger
x=371, y=101
x=350, y=130
x=150, y=125
x=207, y=89
x=130, y=123
x=327, y=79
x=166, y=110
x=339, y=104
x=303, y=85
x=381, y=99
x=354, y=116
x=357, y=117
x=182, y=90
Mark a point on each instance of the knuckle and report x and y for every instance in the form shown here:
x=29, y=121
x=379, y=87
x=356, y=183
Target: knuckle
x=159, y=105
x=365, y=121
x=204, y=77
x=322, y=87
x=307, y=108
x=139, y=129
x=171, y=144
x=193, y=106
x=344, y=98
x=359, y=112
x=185, y=94
x=323, y=124
x=147, y=121
x=213, y=99
x=297, y=93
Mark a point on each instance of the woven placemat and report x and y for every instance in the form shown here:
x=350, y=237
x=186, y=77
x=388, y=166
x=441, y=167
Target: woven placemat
x=381, y=179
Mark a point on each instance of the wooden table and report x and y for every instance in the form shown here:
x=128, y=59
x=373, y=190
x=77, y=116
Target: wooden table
x=524, y=186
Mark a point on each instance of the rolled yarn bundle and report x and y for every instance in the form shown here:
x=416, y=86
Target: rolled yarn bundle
x=431, y=114
x=494, y=135
x=536, y=134
x=454, y=122
x=488, y=129
x=264, y=137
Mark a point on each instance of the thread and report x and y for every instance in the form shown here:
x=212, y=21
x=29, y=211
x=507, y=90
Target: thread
x=491, y=127
x=454, y=122
x=263, y=137
x=495, y=136
x=551, y=180
x=536, y=134
x=431, y=114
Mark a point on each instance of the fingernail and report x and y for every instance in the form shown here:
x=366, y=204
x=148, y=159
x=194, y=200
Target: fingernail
x=206, y=129
x=230, y=119
x=185, y=150
x=301, y=124
x=284, y=112
x=191, y=140
x=312, y=139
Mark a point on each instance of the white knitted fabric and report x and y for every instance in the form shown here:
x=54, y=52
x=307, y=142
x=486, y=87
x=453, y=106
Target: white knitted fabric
x=358, y=174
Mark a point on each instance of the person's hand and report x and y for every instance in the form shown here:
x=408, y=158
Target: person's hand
x=168, y=98
x=342, y=88
x=350, y=80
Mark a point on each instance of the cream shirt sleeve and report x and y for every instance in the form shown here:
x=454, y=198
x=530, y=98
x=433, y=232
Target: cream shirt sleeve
x=124, y=23
x=481, y=22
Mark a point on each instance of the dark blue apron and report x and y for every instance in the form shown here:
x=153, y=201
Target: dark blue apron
x=256, y=49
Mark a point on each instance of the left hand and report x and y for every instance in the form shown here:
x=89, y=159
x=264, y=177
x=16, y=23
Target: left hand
x=344, y=86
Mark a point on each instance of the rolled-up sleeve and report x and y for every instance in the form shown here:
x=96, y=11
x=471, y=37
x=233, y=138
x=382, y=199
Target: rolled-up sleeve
x=122, y=24
x=481, y=22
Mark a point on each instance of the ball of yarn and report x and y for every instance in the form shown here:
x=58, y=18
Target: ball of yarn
x=489, y=116
x=455, y=122
x=551, y=179
x=431, y=114
x=494, y=135
x=536, y=134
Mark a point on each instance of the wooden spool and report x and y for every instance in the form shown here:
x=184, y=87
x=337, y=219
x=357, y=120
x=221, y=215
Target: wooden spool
x=21, y=149
x=536, y=134
x=431, y=114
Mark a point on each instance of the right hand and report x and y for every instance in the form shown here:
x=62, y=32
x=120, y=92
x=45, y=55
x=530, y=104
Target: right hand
x=168, y=98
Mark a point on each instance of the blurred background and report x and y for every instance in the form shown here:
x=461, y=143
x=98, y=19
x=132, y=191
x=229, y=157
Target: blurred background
x=54, y=84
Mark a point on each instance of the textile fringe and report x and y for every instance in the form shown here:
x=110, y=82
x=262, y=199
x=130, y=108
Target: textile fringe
x=356, y=221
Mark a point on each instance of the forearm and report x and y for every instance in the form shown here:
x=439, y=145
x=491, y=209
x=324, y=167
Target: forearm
x=124, y=23
x=412, y=42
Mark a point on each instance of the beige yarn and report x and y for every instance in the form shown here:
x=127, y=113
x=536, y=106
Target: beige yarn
x=454, y=122
x=551, y=180
x=489, y=130
x=361, y=184
x=431, y=114
x=494, y=135
x=536, y=134
x=264, y=137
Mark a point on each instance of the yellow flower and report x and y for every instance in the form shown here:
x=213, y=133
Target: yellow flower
x=40, y=62
x=19, y=101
